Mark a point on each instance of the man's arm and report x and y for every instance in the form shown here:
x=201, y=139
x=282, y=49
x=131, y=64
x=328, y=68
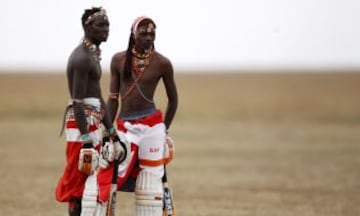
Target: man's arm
x=80, y=80
x=106, y=119
x=114, y=94
x=171, y=92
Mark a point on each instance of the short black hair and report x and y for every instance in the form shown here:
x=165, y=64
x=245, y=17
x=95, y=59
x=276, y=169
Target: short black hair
x=87, y=13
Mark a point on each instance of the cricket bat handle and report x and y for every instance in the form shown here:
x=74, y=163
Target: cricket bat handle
x=168, y=209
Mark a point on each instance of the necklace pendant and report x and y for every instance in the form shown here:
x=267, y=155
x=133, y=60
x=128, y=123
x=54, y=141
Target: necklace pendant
x=92, y=48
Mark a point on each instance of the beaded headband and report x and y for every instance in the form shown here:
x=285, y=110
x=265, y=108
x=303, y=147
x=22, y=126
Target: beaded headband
x=138, y=20
x=102, y=12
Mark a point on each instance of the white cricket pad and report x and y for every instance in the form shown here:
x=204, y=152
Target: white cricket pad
x=101, y=209
x=148, y=194
x=89, y=199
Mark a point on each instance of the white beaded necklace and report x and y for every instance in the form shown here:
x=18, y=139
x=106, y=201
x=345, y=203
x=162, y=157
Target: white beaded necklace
x=93, y=49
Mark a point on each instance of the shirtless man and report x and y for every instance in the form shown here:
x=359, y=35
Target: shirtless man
x=85, y=113
x=135, y=74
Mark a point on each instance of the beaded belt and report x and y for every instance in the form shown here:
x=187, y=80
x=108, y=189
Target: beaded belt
x=137, y=115
x=89, y=111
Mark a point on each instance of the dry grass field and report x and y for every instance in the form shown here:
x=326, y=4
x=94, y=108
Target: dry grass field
x=263, y=144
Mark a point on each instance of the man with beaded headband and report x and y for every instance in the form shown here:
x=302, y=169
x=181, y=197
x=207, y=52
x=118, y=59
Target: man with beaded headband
x=84, y=115
x=135, y=74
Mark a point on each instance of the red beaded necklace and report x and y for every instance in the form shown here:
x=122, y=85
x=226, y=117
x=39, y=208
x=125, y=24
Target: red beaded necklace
x=141, y=60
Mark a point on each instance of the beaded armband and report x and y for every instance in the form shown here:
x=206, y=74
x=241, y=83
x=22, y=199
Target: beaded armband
x=114, y=95
x=112, y=131
x=85, y=139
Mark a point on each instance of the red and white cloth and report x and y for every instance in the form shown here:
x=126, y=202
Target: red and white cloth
x=147, y=137
x=72, y=182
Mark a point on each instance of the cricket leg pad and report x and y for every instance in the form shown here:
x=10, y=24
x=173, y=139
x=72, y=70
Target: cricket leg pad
x=148, y=194
x=101, y=209
x=89, y=199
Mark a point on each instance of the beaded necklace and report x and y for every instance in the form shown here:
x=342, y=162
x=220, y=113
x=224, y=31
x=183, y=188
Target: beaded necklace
x=140, y=62
x=93, y=49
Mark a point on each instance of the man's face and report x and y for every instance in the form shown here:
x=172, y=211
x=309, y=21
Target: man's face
x=98, y=29
x=145, y=36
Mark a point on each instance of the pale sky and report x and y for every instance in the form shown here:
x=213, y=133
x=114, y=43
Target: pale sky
x=193, y=34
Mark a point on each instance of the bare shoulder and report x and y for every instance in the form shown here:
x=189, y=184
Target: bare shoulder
x=162, y=60
x=119, y=56
x=79, y=57
x=117, y=61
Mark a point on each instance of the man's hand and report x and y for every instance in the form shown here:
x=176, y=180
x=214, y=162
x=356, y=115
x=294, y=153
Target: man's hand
x=107, y=149
x=119, y=145
x=88, y=157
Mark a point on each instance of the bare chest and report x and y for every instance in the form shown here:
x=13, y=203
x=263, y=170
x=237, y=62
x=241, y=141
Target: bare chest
x=146, y=78
x=95, y=70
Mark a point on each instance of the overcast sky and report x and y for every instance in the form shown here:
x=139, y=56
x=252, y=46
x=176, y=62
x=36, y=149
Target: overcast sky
x=193, y=34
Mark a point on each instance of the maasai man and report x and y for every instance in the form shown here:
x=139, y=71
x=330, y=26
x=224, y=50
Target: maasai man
x=86, y=111
x=135, y=74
